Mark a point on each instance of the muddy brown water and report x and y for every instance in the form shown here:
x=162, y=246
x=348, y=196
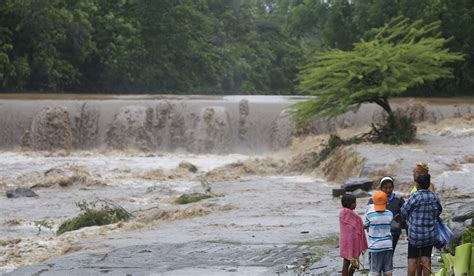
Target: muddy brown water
x=199, y=124
x=127, y=149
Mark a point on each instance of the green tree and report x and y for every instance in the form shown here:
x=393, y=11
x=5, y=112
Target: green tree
x=338, y=30
x=263, y=58
x=45, y=43
x=400, y=55
x=369, y=14
x=457, y=17
x=116, y=60
x=177, y=36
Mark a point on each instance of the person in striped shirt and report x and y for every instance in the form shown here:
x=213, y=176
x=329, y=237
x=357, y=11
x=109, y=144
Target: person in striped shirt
x=378, y=221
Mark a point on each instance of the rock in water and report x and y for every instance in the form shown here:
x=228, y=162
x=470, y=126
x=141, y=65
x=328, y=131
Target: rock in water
x=359, y=193
x=338, y=192
x=353, y=184
x=464, y=213
x=187, y=166
x=20, y=192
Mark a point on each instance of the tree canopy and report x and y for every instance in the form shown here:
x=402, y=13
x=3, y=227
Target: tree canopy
x=204, y=46
x=143, y=46
x=399, y=56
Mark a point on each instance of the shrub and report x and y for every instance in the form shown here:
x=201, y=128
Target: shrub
x=40, y=224
x=468, y=235
x=91, y=215
x=398, y=129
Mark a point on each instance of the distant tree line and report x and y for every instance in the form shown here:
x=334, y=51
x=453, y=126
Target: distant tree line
x=203, y=46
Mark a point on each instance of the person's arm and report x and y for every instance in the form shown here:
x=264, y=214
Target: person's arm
x=403, y=223
x=366, y=221
x=440, y=208
x=406, y=208
x=401, y=202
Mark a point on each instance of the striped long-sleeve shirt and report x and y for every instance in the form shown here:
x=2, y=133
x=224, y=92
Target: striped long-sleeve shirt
x=379, y=237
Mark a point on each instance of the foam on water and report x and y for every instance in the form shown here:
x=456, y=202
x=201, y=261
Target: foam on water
x=19, y=163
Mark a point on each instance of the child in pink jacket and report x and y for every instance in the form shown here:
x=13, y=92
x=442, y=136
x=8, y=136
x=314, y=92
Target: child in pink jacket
x=352, y=240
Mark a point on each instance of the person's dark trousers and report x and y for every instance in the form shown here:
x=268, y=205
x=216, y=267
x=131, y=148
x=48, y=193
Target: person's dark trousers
x=394, y=241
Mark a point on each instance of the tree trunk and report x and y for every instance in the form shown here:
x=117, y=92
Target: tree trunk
x=383, y=102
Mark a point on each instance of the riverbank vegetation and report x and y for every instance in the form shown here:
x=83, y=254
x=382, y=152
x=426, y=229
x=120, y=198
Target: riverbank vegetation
x=91, y=215
x=398, y=56
x=205, y=46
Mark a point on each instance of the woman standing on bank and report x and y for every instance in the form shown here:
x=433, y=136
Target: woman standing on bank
x=420, y=168
x=394, y=203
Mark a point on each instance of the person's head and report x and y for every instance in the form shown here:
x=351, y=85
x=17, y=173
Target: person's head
x=386, y=185
x=348, y=201
x=380, y=201
x=420, y=168
x=423, y=180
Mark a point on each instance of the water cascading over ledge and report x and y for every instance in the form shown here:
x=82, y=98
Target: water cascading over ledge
x=196, y=124
x=233, y=124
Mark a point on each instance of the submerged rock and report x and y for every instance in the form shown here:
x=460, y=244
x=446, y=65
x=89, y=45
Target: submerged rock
x=185, y=165
x=20, y=192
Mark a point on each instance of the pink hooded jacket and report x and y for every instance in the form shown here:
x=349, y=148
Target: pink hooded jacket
x=352, y=240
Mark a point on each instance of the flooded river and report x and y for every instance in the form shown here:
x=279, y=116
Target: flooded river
x=137, y=152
